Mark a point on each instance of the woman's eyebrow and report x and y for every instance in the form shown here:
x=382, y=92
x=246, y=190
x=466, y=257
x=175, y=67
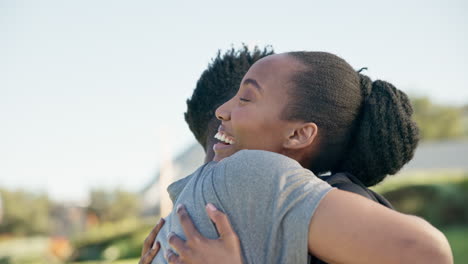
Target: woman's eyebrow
x=254, y=83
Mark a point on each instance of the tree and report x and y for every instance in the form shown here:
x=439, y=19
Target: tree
x=437, y=122
x=25, y=213
x=114, y=205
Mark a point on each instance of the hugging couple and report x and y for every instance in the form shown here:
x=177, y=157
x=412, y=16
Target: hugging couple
x=272, y=125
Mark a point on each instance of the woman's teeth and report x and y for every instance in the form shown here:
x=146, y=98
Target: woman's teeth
x=221, y=137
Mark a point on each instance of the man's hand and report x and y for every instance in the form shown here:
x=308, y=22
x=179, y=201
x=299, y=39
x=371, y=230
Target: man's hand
x=198, y=249
x=150, y=249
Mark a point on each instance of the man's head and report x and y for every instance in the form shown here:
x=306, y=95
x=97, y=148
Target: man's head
x=216, y=85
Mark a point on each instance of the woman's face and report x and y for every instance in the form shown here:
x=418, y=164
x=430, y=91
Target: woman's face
x=252, y=118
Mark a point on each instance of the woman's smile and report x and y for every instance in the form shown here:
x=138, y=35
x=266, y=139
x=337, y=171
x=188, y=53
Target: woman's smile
x=223, y=137
x=225, y=145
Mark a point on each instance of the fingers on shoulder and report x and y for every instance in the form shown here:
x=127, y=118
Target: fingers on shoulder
x=178, y=244
x=154, y=232
x=173, y=258
x=149, y=256
x=220, y=219
x=189, y=228
x=150, y=239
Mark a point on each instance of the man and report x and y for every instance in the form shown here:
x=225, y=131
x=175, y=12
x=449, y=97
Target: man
x=217, y=84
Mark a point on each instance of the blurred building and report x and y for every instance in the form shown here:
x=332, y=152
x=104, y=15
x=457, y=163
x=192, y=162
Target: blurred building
x=440, y=155
x=183, y=165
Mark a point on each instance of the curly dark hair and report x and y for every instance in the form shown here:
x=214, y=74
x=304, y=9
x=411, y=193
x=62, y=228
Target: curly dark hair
x=366, y=127
x=217, y=84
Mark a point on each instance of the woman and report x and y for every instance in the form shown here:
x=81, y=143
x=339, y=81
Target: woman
x=316, y=110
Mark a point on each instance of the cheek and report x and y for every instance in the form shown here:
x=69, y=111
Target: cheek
x=244, y=123
x=255, y=131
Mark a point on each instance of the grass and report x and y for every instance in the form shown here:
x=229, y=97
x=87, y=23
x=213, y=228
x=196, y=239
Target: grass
x=458, y=239
x=123, y=261
x=23, y=246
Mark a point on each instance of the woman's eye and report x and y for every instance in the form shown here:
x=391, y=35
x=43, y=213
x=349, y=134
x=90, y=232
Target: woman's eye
x=244, y=100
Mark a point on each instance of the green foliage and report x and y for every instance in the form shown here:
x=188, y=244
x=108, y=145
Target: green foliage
x=465, y=120
x=127, y=247
x=458, y=240
x=124, y=261
x=440, y=205
x=437, y=121
x=25, y=213
x=440, y=200
x=111, y=241
x=114, y=205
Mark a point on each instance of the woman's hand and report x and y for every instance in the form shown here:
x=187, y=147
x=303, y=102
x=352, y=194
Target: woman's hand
x=150, y=249
x=198, y=249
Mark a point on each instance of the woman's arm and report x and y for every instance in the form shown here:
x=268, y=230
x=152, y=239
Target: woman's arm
x=347, y=228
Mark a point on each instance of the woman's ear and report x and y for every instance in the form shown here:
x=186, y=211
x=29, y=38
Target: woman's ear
x=301, y=135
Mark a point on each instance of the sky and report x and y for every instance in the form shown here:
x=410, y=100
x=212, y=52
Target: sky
x=91, y=91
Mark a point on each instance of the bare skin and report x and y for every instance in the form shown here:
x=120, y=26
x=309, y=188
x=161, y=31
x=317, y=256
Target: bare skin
x=348, y=228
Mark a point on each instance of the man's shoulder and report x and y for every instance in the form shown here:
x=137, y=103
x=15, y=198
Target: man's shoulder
x=258, y=158
x=175, y=188
x=258, y=166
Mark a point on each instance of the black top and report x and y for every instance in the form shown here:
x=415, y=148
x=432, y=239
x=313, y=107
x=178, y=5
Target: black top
x=348, y=182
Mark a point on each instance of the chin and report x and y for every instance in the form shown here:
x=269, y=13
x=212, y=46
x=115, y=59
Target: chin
x=217, y=158
x=221, y=156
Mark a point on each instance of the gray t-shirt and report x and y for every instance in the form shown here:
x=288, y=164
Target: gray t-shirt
x=269, y=199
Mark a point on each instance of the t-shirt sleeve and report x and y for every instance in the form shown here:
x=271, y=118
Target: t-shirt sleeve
x=270, y=200
x=175, y=188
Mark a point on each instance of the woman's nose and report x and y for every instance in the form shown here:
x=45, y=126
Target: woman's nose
x=222, y=112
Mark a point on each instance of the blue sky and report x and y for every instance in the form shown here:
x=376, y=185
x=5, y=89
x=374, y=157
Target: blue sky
x=89, y=88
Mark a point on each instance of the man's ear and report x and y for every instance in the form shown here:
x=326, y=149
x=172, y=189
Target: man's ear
x=301, y=135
